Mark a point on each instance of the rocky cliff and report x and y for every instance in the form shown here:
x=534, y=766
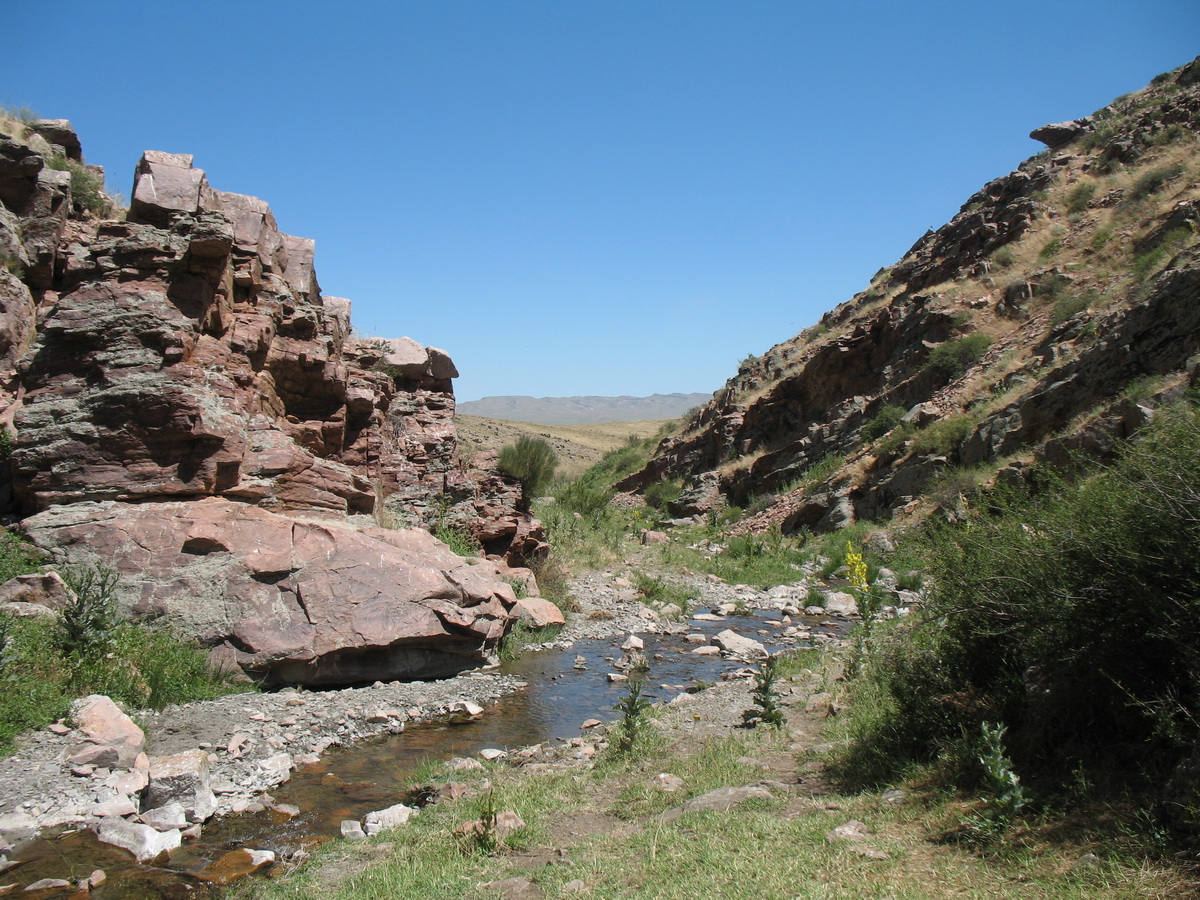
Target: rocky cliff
x=1048, y=318
x=186, y=406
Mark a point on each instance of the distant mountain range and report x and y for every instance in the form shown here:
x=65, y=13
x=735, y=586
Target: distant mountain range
x=582, y=410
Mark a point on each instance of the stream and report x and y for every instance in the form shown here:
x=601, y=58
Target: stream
x=349, y=782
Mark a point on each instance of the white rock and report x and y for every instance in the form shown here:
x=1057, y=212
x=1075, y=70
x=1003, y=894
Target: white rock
x=182, y=778
x=165, y=818
x=392, y=817
x=144, y=842
x=839, y=603
x=18, y=826
x=633, y=642
x=736, y=645
x=352, y=829
x=491, y=753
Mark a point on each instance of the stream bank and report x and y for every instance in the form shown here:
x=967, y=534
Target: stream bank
x=260, y=743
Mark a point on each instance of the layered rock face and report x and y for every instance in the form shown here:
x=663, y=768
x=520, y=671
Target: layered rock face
x=189, y=408
x=1050, y=317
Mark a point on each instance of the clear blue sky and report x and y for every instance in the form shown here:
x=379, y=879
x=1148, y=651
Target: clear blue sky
x=588, y=196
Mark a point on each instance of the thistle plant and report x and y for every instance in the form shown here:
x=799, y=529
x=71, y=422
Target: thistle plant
x=633, y=708
x=1001, y=781
x=766, y=709
x=87, y=624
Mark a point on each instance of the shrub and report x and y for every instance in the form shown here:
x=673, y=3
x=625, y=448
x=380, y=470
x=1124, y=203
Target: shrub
x=88, y=623
x=1003, y=258
x=943, y=436
x=883, y=421
x=531, y=461
x=952, y=358
x=1081, y=195
x=1028, y=626
x=16, y=556
x=87, y=188
x=634, y=708
x=1154, y=181
x=457, y=539
x=1068, y=306
x=1050, y=250
x=766, y=709
x=661, y=493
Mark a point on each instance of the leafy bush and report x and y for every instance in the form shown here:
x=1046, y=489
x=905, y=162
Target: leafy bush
x=943, y=436
x=1068, y=306
x=950, y=359
x=766, y=709
x=1081, y=195
x=87, y=188
x=457, y=539
x=883, y=421
x=1029, y=626
x=531, y=461
x=634, y=709
x=16, y=556
x=139, y=666
x=661, y=493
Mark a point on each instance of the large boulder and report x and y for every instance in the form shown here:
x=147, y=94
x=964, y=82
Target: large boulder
x=109, y=737
x=182, y=779
x=300, y=601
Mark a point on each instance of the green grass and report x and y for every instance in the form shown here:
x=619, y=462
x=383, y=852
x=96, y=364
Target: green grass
x=775, y=848
x=140, y=667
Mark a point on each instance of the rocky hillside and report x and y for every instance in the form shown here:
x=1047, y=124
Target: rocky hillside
x=184, y=404
x=1048, y=318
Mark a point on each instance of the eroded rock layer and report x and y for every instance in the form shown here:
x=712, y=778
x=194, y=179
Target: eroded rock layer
x=189, y=408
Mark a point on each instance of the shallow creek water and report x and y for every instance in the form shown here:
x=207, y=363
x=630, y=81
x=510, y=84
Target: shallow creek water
x=350, y=782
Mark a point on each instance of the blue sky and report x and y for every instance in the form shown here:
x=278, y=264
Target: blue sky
x=577, y=197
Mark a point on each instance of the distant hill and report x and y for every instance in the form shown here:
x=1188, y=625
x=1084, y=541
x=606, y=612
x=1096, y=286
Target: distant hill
x=578, y=447
x=583, y=410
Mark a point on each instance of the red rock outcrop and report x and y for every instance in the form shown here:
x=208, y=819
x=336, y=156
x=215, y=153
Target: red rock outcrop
x=189, y=408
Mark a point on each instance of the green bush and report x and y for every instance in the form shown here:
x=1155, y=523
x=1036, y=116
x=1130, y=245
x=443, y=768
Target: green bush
x=531, y=461
x=1071, y=618
x=1081, y=195
x=138, y=666
x=1068, y=306
x=943, y=436
x=16, y=557
x=883, y=421
x=952, y=358
x=87, y=188
x=87, y=624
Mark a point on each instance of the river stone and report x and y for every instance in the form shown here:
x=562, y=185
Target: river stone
x=236, y=864
x=382, y=819
x=735, y=644
x=166, y=818
x=538, y=613
x=840, y=603
x=144, y=842
x=352, y=829
x=182, y=778
x=720, y=800
x=17, y=826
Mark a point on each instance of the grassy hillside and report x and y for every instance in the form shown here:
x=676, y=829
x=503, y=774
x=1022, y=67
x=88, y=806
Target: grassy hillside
x=579, y=447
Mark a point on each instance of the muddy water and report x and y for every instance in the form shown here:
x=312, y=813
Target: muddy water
x=349, y=783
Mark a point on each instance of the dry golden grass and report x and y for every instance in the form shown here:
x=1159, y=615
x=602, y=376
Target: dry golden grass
x=578, y=446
